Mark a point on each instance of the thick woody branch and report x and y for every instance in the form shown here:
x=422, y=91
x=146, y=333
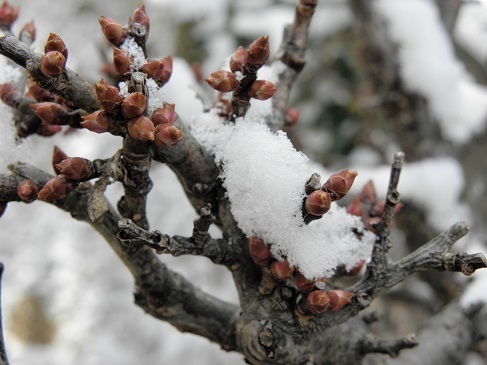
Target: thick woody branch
x=160, y=292
x=291, y=54
x=3, y=352
x=372, y=344
x=69, y=85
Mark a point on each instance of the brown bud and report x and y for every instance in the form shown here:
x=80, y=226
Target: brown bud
x=318, y=202
x=159, y=70
x=260, y=252
x=109, y=70
x=301, y=282
x=339, y=184
x=339, y=298
x=9, y=94
x=167, y=135
x=291, y=117
x=164, y=115
x=317, y=301
x=282, y=270
x=121, y=62
x=30, y=30
x=222, y=81
x=47, y=130
x=98, y=122
x=237, y=60
x=49, y=113
x=108, y=95
x=58, y=155
x=76, y=168
x=262, y=90
x=357, y=268
x=368, y=194
x=8, y=14
x=355, y=207
x=140, y=16
x=55, y=189
x=3, y=208
x=134, y=105
x=55, y=43
x=27, y=191
x=141, y=128
x=257, y=54
x=113, y=31
x=53, y=64
x=39, y=93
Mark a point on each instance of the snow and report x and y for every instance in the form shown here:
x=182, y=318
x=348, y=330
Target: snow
x=264, y=177
x=135, y=53
x=429, y=67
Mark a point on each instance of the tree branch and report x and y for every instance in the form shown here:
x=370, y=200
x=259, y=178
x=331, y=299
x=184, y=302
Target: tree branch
x=69, y=85
x=291, y=54
x=160, y=292
x=390, y=347
x=3, y=352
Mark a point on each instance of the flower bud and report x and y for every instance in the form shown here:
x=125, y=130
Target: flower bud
x=160, y=71
x=38, y=93
x=49, y=113
x=30, y=30
x=291, y=117
x=317, y=301
x=27, y=191
x=9, y=94
x=355, y=207
x=282, y=270
x=55, y=189
x=260, y=252
x=108, y=95
x=262, y=90
x=113, y=31
x=301, y=282
x=237, y=60
x=318, y=202
x=55, y=43
x=140, y=16
x=98, y=122
x=58, y=155
x=339, y=184
x=8, y=14
x=47, y=130
x=76, y=168
x=339, y=298
x=257, y=54
x=121, y=62
x=3, y=208
x=134, y=105
x=368, y=194
x=222, y=81
x=167, y=135
x=164, y=115
x=53, y=64
x=141, y=128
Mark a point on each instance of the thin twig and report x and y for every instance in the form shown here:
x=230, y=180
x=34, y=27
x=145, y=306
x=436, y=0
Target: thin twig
x=3, y=352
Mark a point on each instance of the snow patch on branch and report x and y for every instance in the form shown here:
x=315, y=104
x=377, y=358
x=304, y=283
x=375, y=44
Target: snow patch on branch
x=429, y=67
x=265, y=177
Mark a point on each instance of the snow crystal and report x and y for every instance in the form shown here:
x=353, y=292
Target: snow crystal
x=153, y=99
x=124, y=88
x=132, y=49
x=265, y=176
x=429, y=66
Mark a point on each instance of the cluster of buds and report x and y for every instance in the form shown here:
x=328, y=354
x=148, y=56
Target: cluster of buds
x=319, y=198
x=366, y=206
x=241, y=78
x=138, y=30
x=53, y=63
x=8, y=15
x=317, y=301
x=320, y=301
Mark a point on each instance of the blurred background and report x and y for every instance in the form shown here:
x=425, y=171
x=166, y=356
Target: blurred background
x=66, y=297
